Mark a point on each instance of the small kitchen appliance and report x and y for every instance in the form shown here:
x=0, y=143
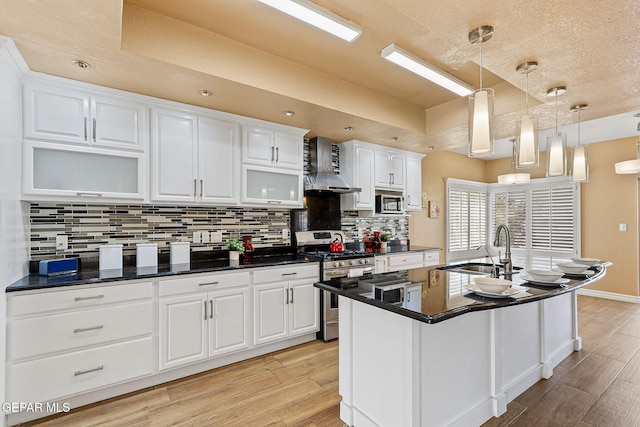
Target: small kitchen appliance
x=389, y=203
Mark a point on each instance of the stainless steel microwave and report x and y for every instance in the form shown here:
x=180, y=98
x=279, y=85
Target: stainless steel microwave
x=389, y=204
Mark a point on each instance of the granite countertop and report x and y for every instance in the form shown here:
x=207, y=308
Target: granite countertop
x=394, y=249
x=444, y=295
x=201, y=263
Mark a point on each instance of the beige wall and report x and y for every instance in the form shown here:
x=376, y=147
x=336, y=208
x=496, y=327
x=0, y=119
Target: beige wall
x=607, y=201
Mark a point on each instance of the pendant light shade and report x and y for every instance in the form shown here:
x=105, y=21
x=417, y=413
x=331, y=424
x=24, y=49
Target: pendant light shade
x=579, y=162
x=556, y=160
x=481, y=105
x=527, y=153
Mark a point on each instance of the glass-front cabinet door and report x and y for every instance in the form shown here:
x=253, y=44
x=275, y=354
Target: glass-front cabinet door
x=265, y=186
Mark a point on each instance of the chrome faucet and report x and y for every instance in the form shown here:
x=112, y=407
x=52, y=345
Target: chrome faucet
x=506, y=261
x=495, y=271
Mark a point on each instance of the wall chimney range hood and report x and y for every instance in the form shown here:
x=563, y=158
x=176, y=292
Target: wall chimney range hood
x=321, y=176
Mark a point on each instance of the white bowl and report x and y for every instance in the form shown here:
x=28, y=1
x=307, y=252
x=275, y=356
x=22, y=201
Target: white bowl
x=572, y=268
x=586, y=261
x=490, y=284
x=545, y=275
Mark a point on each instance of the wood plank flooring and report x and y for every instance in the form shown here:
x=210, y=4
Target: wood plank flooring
x=598, y=386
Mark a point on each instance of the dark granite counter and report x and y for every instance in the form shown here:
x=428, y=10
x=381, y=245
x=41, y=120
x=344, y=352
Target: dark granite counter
x=90, y=274
x=444, y=295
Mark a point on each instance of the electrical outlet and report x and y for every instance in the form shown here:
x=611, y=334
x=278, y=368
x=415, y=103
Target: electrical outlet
x=204, y=236
x=62, y=242
x=197, y=237
x=285, y=233
x=215, y=237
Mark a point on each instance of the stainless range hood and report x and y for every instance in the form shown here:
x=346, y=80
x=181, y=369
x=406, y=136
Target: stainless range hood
x=321, y=176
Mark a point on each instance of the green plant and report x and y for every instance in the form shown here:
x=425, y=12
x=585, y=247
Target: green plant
x=235, y=245
x=384, y=237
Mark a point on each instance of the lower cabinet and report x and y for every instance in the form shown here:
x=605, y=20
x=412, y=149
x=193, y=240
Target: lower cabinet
x=201, y=325
x=285, y=303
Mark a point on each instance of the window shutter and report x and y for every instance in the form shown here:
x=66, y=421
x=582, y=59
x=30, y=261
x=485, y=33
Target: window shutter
x=510, y=208
x=467, y=215
x=552, y=219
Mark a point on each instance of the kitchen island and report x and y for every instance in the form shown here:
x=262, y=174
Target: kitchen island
x=453, y=359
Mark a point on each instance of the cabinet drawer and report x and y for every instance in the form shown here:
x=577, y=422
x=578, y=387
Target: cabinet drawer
x=68, y=374
x=203, y=283
x=49, y=334
x=431, y=258
x=405, y=259
x=286, y=273
x=79, y=297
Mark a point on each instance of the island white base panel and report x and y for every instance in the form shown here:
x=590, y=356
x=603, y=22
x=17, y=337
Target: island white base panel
x=397, y=371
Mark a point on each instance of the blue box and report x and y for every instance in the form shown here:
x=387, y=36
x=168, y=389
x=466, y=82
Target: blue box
x=56, y=267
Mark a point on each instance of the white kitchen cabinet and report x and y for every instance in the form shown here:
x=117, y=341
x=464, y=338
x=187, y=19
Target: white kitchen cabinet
x=202, y=317
x=268, y=147
x=68, y=341
x=413, y=297
x=266, y=186
x=389, y=170
x=357, y=168
x=54, y=171
x=285, y=303
x=386, y=263
x=67, y=114
x=413, y=188
x=194, y=158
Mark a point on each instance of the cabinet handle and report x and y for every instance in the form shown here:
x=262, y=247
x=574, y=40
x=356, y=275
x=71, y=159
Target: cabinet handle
x=290, y=274
x=94, y=130
x=291, y=295
x=393, y=178
x=208, y=283
x=408, y=199
x=78, y=373
x=211, y=307
x=206, y=315
x=92, y=328
x=274, y=201
x=201, y=187
x=86, y=298
x=277, y=154
x=195, y=187
x=85, y=128
x=86, y=194
x=272, y=157
x=286, y=297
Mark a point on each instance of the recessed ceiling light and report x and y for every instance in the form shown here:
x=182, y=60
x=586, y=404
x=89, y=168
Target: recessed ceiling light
x=348, y=128
x=424, y=70
x=81, y=64
x=317, y=16
x=288, y=113
x=431, y=147
x=395, y=138
x=205, y=92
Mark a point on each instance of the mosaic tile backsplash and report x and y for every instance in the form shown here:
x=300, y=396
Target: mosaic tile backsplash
x=89, y=226
x=355, y=226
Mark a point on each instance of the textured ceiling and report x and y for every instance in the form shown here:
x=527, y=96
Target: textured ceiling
x=259, y=62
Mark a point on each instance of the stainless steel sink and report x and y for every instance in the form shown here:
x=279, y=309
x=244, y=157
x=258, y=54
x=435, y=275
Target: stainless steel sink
x=476, y=268
x=484, y=269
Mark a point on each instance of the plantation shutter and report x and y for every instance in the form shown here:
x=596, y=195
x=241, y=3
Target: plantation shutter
x=552, y=219
x=510, y=208
x=466, y=216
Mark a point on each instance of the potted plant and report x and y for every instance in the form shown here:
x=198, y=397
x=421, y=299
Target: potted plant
x=235, y=249
x=384, y=239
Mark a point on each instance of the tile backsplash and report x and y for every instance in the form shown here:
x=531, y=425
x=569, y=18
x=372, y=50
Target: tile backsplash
x=354, y=226
x=88, y=226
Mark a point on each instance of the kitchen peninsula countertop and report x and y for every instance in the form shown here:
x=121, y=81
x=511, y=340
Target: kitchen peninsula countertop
x=199, y=264
x=444, y=295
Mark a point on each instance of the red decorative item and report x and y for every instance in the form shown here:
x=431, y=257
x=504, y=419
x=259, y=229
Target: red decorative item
x=337, y=245
x=248, y=249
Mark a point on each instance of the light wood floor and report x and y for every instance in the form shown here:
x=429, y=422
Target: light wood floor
x=598, y=386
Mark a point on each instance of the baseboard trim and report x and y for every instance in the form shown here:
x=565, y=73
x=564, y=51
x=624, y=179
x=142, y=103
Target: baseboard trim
x=609, y=295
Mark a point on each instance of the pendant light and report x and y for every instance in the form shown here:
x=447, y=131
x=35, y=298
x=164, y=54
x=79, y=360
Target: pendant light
x=481, y=105
x=513, y=177
x=556, y=161
x=631, y=166
x=527, y=154
x=579, y=164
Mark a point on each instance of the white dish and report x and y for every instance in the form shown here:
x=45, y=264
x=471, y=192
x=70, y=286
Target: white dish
x=544, y=275
x=492, y=285
x=586, y=261
x=557, y=283
x=572, y=267
x=506, y=294
x=585, y=273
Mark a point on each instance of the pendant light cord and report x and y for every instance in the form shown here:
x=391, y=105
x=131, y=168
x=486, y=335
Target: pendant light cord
x=526, y=102
x=480, y=64
x=556, y=111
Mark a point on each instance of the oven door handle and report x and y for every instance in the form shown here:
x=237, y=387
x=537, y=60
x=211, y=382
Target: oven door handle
x=332, y=322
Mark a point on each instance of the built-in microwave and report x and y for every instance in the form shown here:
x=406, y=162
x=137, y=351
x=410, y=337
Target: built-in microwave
x=389, y=204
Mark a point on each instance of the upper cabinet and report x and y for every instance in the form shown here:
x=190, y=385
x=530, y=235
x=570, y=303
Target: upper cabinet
x=357, y=161
x=194, y=158
x=374, y=167
x=55, y=113
x=390, y=170
x=267, y=147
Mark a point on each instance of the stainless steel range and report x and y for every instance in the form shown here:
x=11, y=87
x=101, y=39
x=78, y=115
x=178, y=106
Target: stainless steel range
x=314, y=246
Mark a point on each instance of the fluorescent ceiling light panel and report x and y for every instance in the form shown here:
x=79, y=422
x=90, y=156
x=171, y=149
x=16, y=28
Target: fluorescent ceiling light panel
x=317, y=16
x=424, y=70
